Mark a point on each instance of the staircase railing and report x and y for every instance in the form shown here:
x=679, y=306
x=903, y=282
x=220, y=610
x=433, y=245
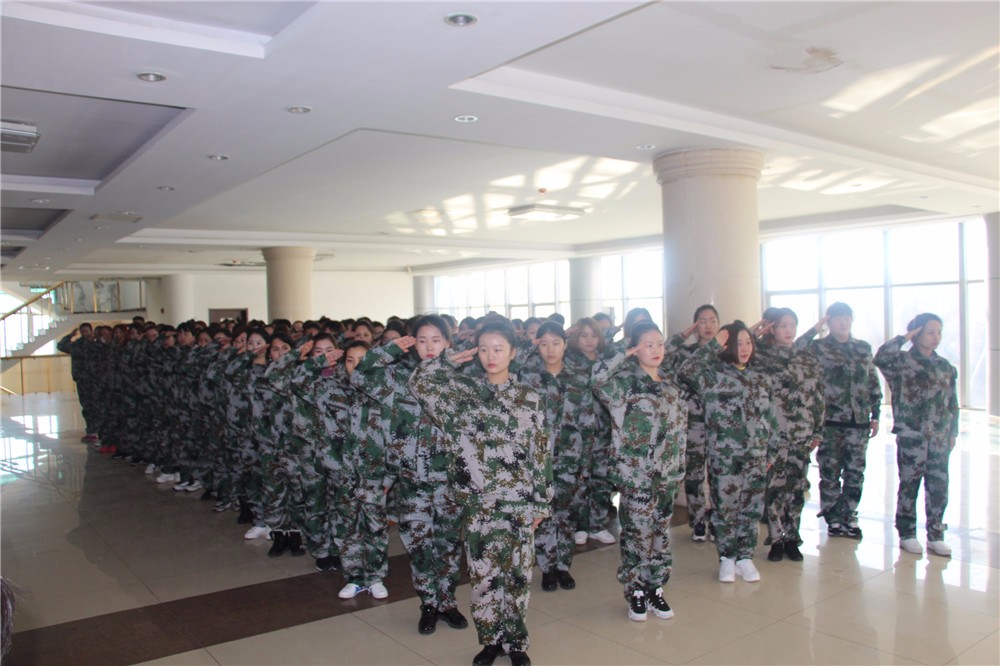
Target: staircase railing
x=25, y=322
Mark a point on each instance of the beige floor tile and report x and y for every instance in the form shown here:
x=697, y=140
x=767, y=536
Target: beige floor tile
x=339, y=640
x=984, y=653
x=951, y=582
x=195, y=583
x=192, y=658
x=103, y=573
x=594, y=588
x=905, y=625
x=43, y=612
x=782, y=643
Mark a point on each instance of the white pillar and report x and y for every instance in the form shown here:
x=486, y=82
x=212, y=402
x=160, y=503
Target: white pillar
x=993, y=311
x=177, y=299
x=710, y=233
x=584, y=288
x=423, y=294
x=289, y=282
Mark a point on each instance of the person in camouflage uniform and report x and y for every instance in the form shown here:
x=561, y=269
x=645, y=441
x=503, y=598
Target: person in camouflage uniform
x=501, y=472
x=572, y=418
x=416, y=463
x=853, y=402
x=799, y=406
x=649, y=420
x=77, y=350
x=925, y=421
x=706, y=325
x=740, y=428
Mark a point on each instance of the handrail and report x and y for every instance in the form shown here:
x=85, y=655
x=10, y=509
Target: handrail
x=7, y=390
x=33, y=300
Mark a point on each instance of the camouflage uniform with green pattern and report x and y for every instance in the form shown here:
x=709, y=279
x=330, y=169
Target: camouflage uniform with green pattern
x=925, y=422
x=501, y=472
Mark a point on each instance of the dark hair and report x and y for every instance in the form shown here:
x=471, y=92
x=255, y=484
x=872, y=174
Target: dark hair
x=633, y=317
x=731, y=352
x=602, y=316
x=452, y=322
x=437, y=322
x=238, y=330
x=591, y=323
x=364, y=324
x=257, y=330
x=284, y=337
x=319, y=337
x=555, y=316
x=839, y=309
x=775, y=314
x=356, y=344
x=467, y=322
x=640, y=329
x=395, y=325
x=921, y=320
x=532, y=320
x=87, y=324
x=499, y=326
x=553, y=327
x=702, y=308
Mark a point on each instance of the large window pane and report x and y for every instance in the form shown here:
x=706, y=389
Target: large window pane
x=975, y=249
x=942, y=300
x=853, y=259
x=643, y=275
x=543, y=283
x=543, y=310
x=976, y=353
x=791, y=263
x=654, y=305
x=563, y=308
x=517, y=285
x=477, y=290
x=614, y=309
x=458, y=292
x=611, y=279
x=924, y=253
x=562, y=282
x=496, y=293
x=869, y=312
x=442, y=292
x=805, y=307
x=519, y=312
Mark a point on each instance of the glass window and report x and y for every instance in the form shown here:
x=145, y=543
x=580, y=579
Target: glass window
x=642, y=274
x=611, y=279
x=942, y=300
x=517, y=285
x=495, y=291
x=869, y=312
x=853, y=259
x=519, y=312
x=791, y=263
x=924, y=253
x=563, y=309
x=543, y=283
x=458, y=292
x=805, y=307
x=442, y=292
x=615, y=310
x=477, y=290
x=654, y=305
x=562, y=283
x=975, y=249
x=976, y=352
x=543, y=310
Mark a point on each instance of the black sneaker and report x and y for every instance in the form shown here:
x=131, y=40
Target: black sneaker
x=566, y=581
x=835, y=530
x=549, y=581
x=792, y=551
x=777, y=552
x=711, y=532
x=519, y=658
x=428, y=620
x=852, y=531
x=487, y=655
x=137, y=462
x=661, y=608
x=700, y=533
x=326, y=564
x=637, y=606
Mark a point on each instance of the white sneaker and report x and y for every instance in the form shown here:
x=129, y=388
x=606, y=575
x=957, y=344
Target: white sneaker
x=939, y=548
x=256, y=532
x=350, y=591
x=378, y=591
x=150, y=469
x=911, y=545
x=181, y=487
x=194, y=487
x=166, y=478
x=727, y=570
x=747, y=571
x=580, y=538
x=603, y=536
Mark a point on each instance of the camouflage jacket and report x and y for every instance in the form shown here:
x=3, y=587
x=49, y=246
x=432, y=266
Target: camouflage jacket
x=739, y=406
x=850, y=384
x=570, y=410
x=648, y=423
x=77, y=350
x=497, y=436
x=924, y=393
x=798, y=390
x=677, y=353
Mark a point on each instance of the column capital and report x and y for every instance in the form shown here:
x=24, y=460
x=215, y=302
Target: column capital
x=272, y=253
x=688, y=162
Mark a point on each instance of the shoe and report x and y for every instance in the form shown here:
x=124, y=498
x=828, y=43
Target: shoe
x=221, y=505
x=150, y=469
x=453, y=618
x=700, y=533
x=637, y=606
x=325, y=564
x=194, y=487
x=246, y=513
x=727, y=570
x=747, y=571
x=549, y=581
x=711, y=533
x=661, y=608
x=603, y=536
x=518, y=658
x=350, y=591
x=167, y=478
x=851, y=531
x=777, y=552
x=207, y=495
x=182, y=486
x=939, y=548
x=580, y=538
x=566, y=581
x=792, y=551
x=487, y=655
x=911, y=545
x=295, y=544
x=279, y=543
x=428, y=620
x=119, y=455
x=835, y=530
x=136, y=462
x=256, y=532
x=378, y=591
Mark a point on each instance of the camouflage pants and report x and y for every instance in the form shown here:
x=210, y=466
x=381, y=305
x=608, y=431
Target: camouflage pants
x=786, y=488
x=924, y=459
x=645, y=514
x=841, y=455
x=85, y=394
x=554, y=544
x=430, y=527
x=694, y=476
x=737, y=478
x=595, y=500
x=323, y=498
x=364, y=548
x=500, y=552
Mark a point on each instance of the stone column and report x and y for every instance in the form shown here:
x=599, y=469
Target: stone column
x=584, y=288
x=177, y=300
x=711, y=250
x=993, y=311
x=423, y=294
x=289, y=282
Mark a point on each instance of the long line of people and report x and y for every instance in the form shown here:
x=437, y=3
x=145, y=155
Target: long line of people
x=320, y=434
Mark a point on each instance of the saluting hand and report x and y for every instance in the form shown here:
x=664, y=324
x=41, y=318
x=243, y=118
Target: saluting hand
x=463, y=356
x=722, y=337
x=305, y=349
x=914, y=333
x=333, y=356
x=689, y=331
x=821, y=324
x=404, y=342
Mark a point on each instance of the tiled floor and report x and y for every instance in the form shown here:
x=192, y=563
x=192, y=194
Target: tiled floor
x=113, y=569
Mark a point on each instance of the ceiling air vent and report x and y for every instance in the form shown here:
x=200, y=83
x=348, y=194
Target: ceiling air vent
x=17, y=136
x=116, y=217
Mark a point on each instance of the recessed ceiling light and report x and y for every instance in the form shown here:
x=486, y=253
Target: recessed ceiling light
x=151, y=77
x=924, y=196
x=39, y=201
x=299, y=109
x=466, y=119
x=645, y=146
x=856, y=184
x=127, y=212
x=218, y=158
x=460, y=20
x=166, y=188
x=79, y=240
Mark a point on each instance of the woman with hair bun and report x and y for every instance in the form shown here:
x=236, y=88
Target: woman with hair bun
x=925, y=421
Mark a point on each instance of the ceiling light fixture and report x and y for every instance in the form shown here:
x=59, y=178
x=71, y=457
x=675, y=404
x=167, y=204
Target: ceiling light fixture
x=466, y=119
x=544, y=213
x=151, y=77
x=299, y=110
x=17, y=136
x=218, y=158
x=166, y=188
x=460, y=20
x=39, y=201
x=645, y=146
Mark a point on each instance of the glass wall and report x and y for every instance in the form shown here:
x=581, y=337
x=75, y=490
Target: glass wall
x=519, y=292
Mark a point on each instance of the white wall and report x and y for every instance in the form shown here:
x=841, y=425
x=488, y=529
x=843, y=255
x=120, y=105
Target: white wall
x=335, y=294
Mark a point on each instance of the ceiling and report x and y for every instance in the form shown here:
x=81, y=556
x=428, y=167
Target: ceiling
x=872, y=112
